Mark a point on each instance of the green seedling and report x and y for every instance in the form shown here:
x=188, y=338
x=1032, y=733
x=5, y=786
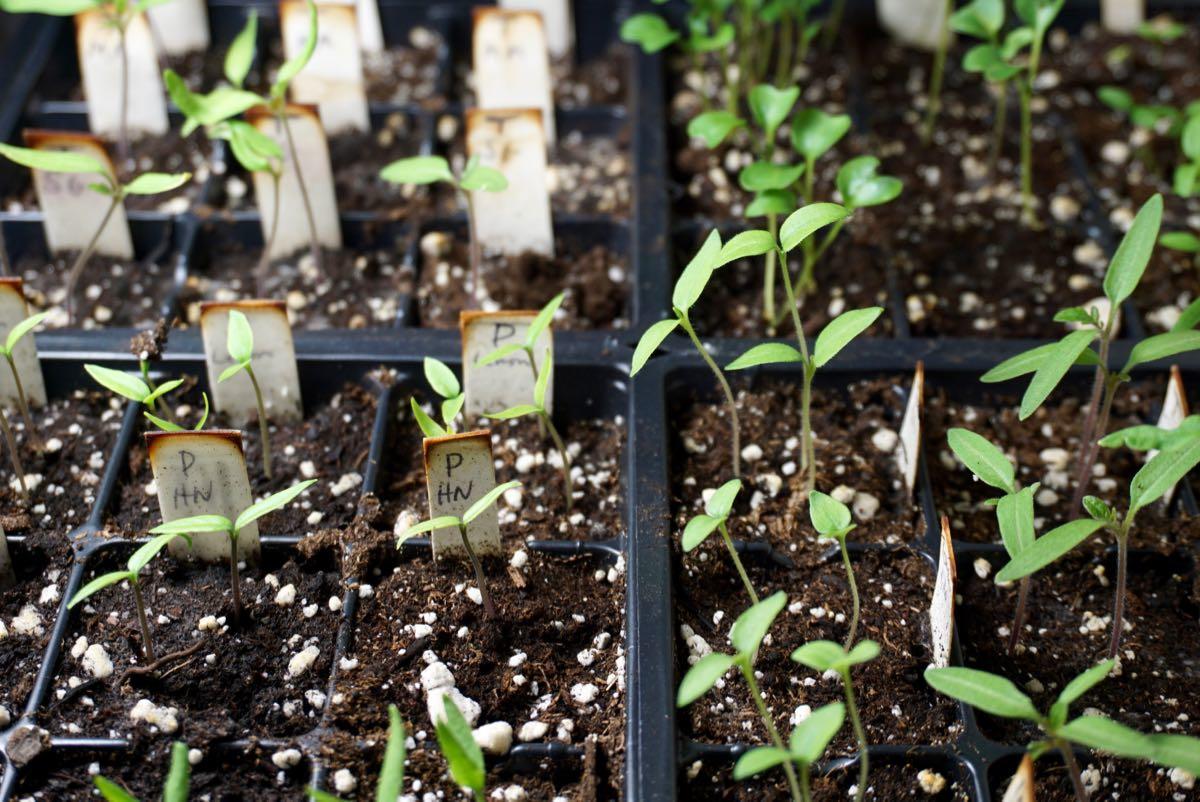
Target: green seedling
x=808, y=742
x=984, y=20
x=240, y=344
x=716, y=518
x=1184, y=242
x=1160, y=33
x=1160, y=118
x=444, y=383
x=707, y=32
x=822, y=656
x=464, y=758
x=6, y=348
x=176, y=787
x=998, y=696
x=473, y=512
x=233, y=530
x=135, y=389
x=390, y=785
x=831, y=518
x=149, y=345
x=133, y=569
x=108, y=186
x=937, y=74
x=475, y=177
x=746, y=636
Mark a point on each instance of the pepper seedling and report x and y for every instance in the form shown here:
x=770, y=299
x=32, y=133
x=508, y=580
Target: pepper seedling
x=240, y=343
x=824, y=655
x=446, y=384
x=998, y=696
x=390, y=784
x=233, y=529
x=808, y=742
x=176, y=787
x=135, y=389
x=149, y=345
x=934, y=95
x=108, y=186
x=473, y=512
x=475, y=177
x=831, y=518
x=6, y=348
x=984, y=20
x=716, y=518
x=746, y=635
x=464, y=758
x=133, y=569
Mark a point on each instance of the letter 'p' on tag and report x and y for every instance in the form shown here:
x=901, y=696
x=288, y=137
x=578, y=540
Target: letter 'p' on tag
x=273, y=361
x=13, y=310
x=203, y=473
x=512, y=65
x=458, y=472
x=518, y=218
x=506, y=382
x=100, y=62
x=333, y=77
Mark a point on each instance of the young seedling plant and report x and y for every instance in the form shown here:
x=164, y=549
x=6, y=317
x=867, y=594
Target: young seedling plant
x=233, y=530
x=445, y=384
x=808, y=742
x=934, y=98
x=108, y=186
x=390, y=785
x=716, y=518
x=240, y=344
x=831, y=518
x=133, y=569
x=473, y=512
x=176, y=787
x=993, y=58
x=135, y=389
x=464, y=758
x=998, y=696
x=6, y=348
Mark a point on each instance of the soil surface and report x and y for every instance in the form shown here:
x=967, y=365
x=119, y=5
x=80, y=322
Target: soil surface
x=110, y=292
x=407, y=74
x=1108, y=778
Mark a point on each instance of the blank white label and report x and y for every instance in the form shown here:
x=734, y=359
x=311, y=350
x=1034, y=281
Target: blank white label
x=1021, y=786
x=180, y=26
x=370, y=30
x=100, y=61
x=517, y=219
x=556, y=18
x=274, y=362
x=1174, y=410
x=914, y=22
x=14, y=309
x=1122, y=16
x=458, y=472
x=512, y=65
x=333, y=77
x=908, y=456
x=941, y=609
x=506, y=382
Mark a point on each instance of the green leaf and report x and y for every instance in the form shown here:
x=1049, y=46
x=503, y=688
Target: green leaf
x=695, y=276
x=1053, y=368
x=451, y=407
x=429, y=427
x=841, y=331
x=391, y=773
x=1161, y=346
x=720, y=503
x=519, y=411
x=1115, y=98
x=97, y=584
x=651, y=340
x=1147, y=437
x=543, y=380
x=983, y=691
x=254, y=150
x=861, y=186
x=649, y=31
x=811, y=737
x=1085, y=682
x=744, y=245
x=700, y=678
x=828, y=515
x=240, y=55
x=1014, y=514
x=714, y=126
x=983, y=459
x=802, y=223
x=1098, y=509
x=772, y=201
x=706, y=44
x=1176, y=751
x=814, y=133
x=418, y=170
x=292, y=67
x=981, y=19
x=751, y=626
x=1180, y=241
x=188, y=102
x=232, y=370
x=771, y=106
x=542, y=320
x=500, y=353
x=697, y=531
x=1133, y=254
x=1029, y=361
x=1077, y=314
x=1098, y=732
x=1038, y=14
x=441, y=522
x=463, y=755
x=110, y=790
x=1048, y=548
x=441, y=378
x=758, y=760
x=1189, y=140
x=162, y=390
x=57, y=8
x=179, y=777
x=119, y=382
x=148, y=551
x=317, y=795
x=766, y=354
x=239, y=337
x=819, y=655
x=481, y=178
x=163, y=425
x=1162, y=473
x=1185, y=179
x=271, y=503
x=156, y=183
x=1189, y=318
x=487, y=500
x=21, y=329
x=194, y=523
x=863, y=652
x=53, y=161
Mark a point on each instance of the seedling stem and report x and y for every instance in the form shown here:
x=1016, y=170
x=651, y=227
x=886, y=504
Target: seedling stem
x=263, y=423
x=23, y=405
x=13, y=453
x=314, y=245
x=755, y=694
x=82, y=259
x=729, y=399
x=860, y=735
x=939, y=71
x=737, y=562
x=489, y=608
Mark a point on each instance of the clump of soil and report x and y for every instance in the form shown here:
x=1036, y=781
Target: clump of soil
x=110, y=292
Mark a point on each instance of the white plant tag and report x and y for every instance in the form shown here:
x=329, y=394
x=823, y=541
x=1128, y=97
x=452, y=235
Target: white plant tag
x=1174, y=410
x=71, y=213
x=511, y=63
x=370, y=29
x=908, y=453
x=100, y=62
x=180, y=27
x=458, y=472
x=556, y=17
x=1122, y=16
x=14, y=309
x=914, y=22
x=506, y=382
x=312, y=151
x=8, y=577
x=333, y=77
x=941, y=608
x=1020, y=787
x=274, y=361
x=517, y=219
x=203, y=473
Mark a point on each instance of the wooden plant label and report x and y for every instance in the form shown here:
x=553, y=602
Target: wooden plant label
x=71, y=212
x=517, y=219
x=8, y=577
x=506, y=382
x=512, y=65
x=908, y=452
x=458, y=472
x=274, y=361
x=370, y=30
x=1122, y=16
x=312, y=151
x=913, y=22
x=556, y=18
x=14, y=309
x=333, y=78
x=203, y=473
x=1174, y=410
x=941, y=609
x=180, y=27
x=100, y=62
x=1021, y=787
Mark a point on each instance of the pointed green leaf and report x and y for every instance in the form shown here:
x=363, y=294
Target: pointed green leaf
x=179, y=776
x=441, y=522
x=488, y=499
x=713, y=127
x=1098, y=732
x=519, y=411
x=1161, y=346
x=697, y=531
x=194, y=523
x=744, y=245
x=841, y=331
x=1053, y=368
x=418, y=170
x=111, y=791
x=1189, y=317
x=811, y=737
x=271, y=503
x=391, y=773
x=119, y=382
x=987, y=692
x=463, y=755
x=1176, y=751
x=97, y=584
x=21, y=329
x=53, y=161
x=1133, y=254
x=828, y=515
x=162, y=390
x=500, y=353
x=720, y=503
x=429, y=427
x=700, y=678
x=766, y=354
x=1085, y=682
x=441, y=378
x=694, y=278
x=983, y=459
x=803, y=222
x=543, y=319
x=1048, y=548
x=240, y=55
x=814, y=132
x=239, y=337
x=758, y=760
x=763, y=176
x=148, y=551
x=650, y=342
x=481, y=178
x=156, y=183
x=292, y=67
x=450, y=409
x=819, y=655
x=1014, y=514
x=1184, y=241
x=1162, y=473
x=543, y=380
x=232, y=370
x=751, y=626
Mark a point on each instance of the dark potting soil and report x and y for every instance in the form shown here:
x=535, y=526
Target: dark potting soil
x=407, y=74
x=1106, y=777
x=110, y=292
x=1045, y=446
x=771, y=507
x=896, y=705
x=889, y=780
x=239, y=682
x=330, y=445
x=595, y=279
x=596, y=82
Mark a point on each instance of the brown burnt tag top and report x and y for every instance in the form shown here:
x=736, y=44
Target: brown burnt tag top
x=908, y=455
x=13, y=310
x=556, y=19
x=512, y=63
x=180, y=27
x=941, y=608
x=506, y=382
x=333, y=77
x=517, y=219
x=458, y=472
x=99, y=46
x=273, y=360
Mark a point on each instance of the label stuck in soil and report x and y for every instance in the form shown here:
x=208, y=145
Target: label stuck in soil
x=506, y=382
x=8, y=577
x=556, y=19
x=333, y=77
x=370, y=30
x=14, y=309
x=914, y=22
x=1174, y=410
x=203, y=473
x=458, y=472
x=512, y=64
x=274, y=361
x=1020, y=787
x=941, y=608
x=312, y=151
x=71, y=212
x=99, y=46
x=1122, y=16
x=180, y=26
x=517, y=219
x=908, y=456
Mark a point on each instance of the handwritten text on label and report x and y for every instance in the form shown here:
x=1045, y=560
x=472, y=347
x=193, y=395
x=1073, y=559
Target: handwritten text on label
x=458, y=472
